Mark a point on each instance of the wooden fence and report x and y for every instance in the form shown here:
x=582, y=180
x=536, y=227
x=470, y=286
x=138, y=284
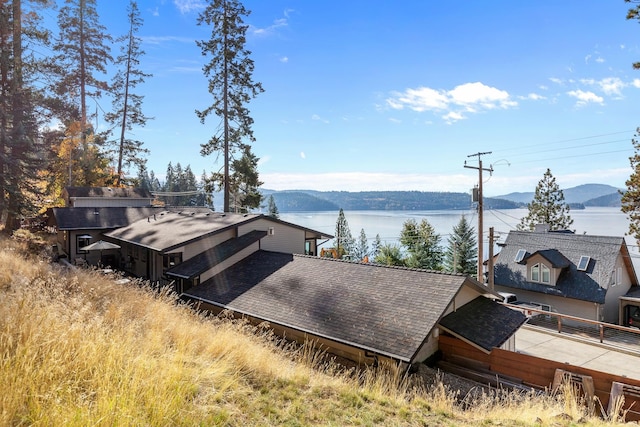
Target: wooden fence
x=540, y=373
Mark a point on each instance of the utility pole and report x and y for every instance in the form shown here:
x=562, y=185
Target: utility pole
x=490, y=259
x=480, y=208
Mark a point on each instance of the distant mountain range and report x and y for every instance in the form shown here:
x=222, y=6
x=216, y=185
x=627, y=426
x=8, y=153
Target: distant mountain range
x=586, y=195
x=310, y=200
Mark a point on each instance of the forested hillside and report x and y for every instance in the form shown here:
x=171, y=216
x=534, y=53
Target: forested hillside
x=307, y=200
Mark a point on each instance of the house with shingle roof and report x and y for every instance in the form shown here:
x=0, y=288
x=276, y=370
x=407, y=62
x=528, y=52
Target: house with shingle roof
x=363, y=312
x=575, y=274
x=106, y=197
x=187, y=246
x=251, y=265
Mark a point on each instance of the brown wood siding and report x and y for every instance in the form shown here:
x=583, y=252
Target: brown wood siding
x=536, y=371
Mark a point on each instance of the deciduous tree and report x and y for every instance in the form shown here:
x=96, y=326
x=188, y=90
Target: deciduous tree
x=229, y=71
x=548, y=206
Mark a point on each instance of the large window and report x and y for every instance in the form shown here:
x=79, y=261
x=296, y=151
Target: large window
x=540, y=273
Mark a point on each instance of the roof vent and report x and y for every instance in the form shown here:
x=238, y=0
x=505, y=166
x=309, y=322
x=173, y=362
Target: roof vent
x=584, y=263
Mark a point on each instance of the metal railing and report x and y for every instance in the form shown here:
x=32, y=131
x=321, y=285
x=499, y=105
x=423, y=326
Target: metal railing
x=540, y=317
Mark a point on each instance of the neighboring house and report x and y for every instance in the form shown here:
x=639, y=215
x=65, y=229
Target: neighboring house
x=364, y=312
x=575, y=274
x=79, y=227
x=190, y=245
x=106, y=197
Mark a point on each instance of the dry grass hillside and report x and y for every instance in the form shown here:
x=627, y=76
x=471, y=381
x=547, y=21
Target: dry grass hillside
x=78, y=349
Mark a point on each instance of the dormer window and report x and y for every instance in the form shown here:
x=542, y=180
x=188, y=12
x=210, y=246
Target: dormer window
x=540, y=273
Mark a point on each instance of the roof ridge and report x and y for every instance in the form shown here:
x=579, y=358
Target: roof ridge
x=373, y=264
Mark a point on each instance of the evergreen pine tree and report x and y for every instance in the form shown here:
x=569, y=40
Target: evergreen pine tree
x=375, y=247
x=272, y=209
x=126, y=104
x=83, y=54
x=230, y=83
x=361, y=249
x=21, y=150
x=461, y=256
x=548, y=206
x=423, y=245
x=245, y=182
x=390, y=255
x=343, y=239
x=631, y=196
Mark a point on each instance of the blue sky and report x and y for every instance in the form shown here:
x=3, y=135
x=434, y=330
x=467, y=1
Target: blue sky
x=363, y=95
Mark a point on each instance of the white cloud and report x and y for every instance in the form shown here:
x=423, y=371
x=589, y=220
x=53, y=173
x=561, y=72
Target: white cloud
x=471, y=94
x=284, y=59
x=535, y=97
x=556, y=80
x=452, y=117
x=612, y=86
x=600, y=60
x=465, y=98
x=585, y=97
x=636, y=83
x=302, y=155
x=186, y=6
x=159, y=40
x=275, y=25
x=420, y=99
x=317, y=118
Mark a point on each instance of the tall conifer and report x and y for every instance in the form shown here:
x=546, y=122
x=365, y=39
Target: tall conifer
x=548, y=207
x=229, y=72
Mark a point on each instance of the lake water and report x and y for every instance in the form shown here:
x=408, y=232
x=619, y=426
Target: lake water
x=388, y=224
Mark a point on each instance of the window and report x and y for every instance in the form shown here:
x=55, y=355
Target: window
x=540, y=273
x=520, y=255
x=170, y=260
x=584, y=263
x=535, y=273
x=546, y=273
x=272, y=231
x=82, y=241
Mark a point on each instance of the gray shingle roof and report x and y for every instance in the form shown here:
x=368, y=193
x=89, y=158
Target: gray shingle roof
x=388, y=310
x=204, y=261
x=484, y=322
x=169, y=229
x=99, y=218
x=587, y=285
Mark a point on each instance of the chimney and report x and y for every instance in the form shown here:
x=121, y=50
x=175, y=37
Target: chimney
x=541, y=228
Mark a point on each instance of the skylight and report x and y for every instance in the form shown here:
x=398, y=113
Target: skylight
x=584, y=263
x=520, y=255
